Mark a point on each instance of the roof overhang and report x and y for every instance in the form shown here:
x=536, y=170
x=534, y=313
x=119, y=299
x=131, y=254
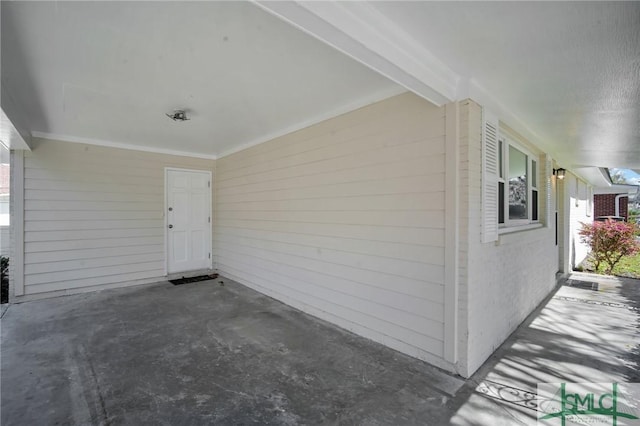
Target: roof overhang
x=617, y=189
x=401, y=48
x=13, y=132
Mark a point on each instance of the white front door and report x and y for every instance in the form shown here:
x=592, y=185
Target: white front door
x=188, y=220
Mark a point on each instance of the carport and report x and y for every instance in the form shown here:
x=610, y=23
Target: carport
x=216, y=352
x=413, y=173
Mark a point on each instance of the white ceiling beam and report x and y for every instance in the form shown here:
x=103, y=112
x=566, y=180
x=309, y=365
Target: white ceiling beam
x=361, y=32
x=13, y=129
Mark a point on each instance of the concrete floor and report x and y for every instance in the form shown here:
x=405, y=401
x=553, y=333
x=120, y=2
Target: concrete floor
x=205, y=353
x=578, y=336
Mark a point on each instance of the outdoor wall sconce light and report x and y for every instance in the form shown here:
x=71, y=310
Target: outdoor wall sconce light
x=559, y=173
x=178, y=115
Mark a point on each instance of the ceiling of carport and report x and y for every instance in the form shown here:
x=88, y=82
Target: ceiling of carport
x=107, y=72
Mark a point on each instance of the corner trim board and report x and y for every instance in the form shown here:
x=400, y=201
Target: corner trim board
x=452, y=221
x=17, y=223
x=354, y=29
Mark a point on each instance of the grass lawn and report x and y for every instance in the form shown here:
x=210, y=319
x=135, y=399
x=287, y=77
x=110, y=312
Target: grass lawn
x=628, y=267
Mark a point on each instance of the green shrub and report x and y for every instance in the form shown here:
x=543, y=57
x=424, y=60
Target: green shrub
x=609, y=241
x=634, y=216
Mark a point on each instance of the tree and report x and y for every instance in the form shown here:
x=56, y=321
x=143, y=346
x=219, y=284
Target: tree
x=617, y=176
x=609, y=241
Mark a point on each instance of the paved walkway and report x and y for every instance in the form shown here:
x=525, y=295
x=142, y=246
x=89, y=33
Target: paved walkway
x=207, y=353
x=586, y=332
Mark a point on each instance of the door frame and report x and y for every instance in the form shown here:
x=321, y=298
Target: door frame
x=165, y=216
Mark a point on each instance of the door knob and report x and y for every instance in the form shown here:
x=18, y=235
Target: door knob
x=170, y=226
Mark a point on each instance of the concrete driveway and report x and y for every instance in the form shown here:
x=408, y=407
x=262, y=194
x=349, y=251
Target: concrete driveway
x=207, y=353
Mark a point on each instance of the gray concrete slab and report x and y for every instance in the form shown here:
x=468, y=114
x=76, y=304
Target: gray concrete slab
x=201, y=353
x=582, y=334
x=204, y=353
x=3, y=309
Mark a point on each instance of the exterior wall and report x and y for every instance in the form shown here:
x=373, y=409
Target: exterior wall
x=605, y=205
x=500, y=282
x=345, y=220
x=580, y=211
x=564, y=228
x=5, y=239
x=5, y=172
x=470, y=120
x=93, y=216
x=16, y=214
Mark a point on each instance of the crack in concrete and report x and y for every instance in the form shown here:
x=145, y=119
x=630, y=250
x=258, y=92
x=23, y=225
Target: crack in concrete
x=245, y=395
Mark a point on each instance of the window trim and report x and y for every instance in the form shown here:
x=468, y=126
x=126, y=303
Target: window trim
x=504, y=142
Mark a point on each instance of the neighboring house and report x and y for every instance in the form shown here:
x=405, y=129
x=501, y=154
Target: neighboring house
x=588, y=202
x=611, y=205
x=431, y=226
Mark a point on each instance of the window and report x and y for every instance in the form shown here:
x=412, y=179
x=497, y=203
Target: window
x=509, y=184
x=517, y=185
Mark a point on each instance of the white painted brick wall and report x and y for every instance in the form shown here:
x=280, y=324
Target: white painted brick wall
x=501, y=282
x=469, y=111
x=580, y=211
x=5, y=239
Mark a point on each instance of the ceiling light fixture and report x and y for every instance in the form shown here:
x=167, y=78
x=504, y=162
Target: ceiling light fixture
x=178, y=115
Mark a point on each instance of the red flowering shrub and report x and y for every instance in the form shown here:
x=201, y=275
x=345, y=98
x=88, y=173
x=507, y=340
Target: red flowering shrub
x=609, y=241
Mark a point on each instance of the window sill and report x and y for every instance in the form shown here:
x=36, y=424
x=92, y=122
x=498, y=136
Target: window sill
x=519, y=228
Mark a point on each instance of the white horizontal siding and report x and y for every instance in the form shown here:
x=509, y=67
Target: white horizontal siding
x=410, y=218
x=396, y=266
x=94, y=216
x=392, y=169
x=393, y=234
x=345, y=308
x=385, y=249
x=371, y=278
x=345, y=220
x=378, y=158
x=73, y=206
x=85, y=245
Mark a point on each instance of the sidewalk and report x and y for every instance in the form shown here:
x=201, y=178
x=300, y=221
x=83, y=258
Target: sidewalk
x=586, y=332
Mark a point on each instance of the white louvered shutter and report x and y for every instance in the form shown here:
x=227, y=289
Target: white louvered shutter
x=489, y=177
